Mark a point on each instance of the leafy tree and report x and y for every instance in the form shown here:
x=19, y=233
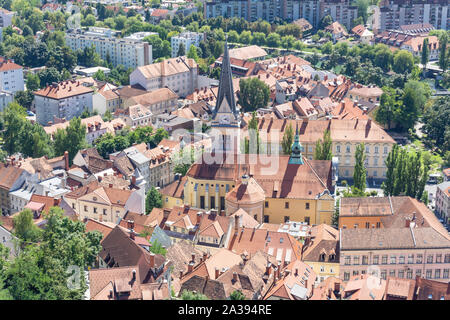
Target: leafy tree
x=323, y=149
x=24, y=98
x=34, y=141
x=443, y=52
x=425, y=55
x=48, y=76
x=33, y=82
x=325, y=22
x=189, y=295
x=153, y=200
x=71, y=139
x=359, y=175
x=237, y=295
x=436, y=119
x=253, y=94
x=335, y=217
x=192, y=54
x=273, y=40
x=403, y=62
x=13, y=118
x=362, y=5
x=24, y=227
x=383, y=57
x=327, y=48
x=157, y=248
x=288, y=139
x=181, y=50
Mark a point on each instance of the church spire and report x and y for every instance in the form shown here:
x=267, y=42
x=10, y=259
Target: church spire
x=225, y=102
x=297, y=148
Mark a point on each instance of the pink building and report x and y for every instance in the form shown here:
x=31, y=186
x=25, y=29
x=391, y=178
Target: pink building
x=396, y=252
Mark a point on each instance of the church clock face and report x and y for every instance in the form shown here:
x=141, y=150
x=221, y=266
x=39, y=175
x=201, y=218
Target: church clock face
x=224, y=119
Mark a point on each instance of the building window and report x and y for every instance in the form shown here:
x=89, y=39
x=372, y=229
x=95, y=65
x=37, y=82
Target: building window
x=401, y=259
x=411, y=258
x=418, y=272
x=307, y=220
x=383, y=274
x=95, y=210
x=439, y=258
x=85, y=208
x=393, y=259
x=355, y=272
x=409, y=274
x=73, y=205
x=365, y=259
x=266, y=219
x=447, y=258
x=430, y=258
x=375, y=259
x=347, y=149
x=286, y=205
x=266, y=204
x=384, y=259
x=104, y=212
x=356, y=260
x=338, y=149
x=367, y=225
x=428, y=274
x=346, y=276
x=286, y=219
x=437, y=273
x=401, y=273
x=445, y=275
x=307, y=206
x=419, y=259
x=347, y=260
x=378, y=225
x=213, y=202
x=392, y=273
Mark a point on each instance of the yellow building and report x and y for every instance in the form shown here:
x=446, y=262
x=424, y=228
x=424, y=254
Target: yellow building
x=292, y=192
x=97, y=202
x=172, y=194
x=321, y=252
x=345, y=136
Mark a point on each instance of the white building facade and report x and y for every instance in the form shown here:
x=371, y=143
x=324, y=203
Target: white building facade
x=187, y=39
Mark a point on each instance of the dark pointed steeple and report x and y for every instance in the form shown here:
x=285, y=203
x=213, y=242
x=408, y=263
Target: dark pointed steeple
x=297, y=148
x=225, y=102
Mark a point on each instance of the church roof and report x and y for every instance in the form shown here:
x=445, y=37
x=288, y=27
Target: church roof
x=225, y=101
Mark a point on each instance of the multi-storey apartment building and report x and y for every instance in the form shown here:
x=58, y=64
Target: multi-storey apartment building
x=66, y=99
x=443, y=200
x=127, y=52
x=395, y=13
x=289, y=10
x=5, y=20
x=11, y=76
x=341, y=11
x=187, y=39
x=178, y=74
x=395, y=236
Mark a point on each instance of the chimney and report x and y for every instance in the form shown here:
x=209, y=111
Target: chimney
x=152, y=260
x=134, y=275
x=132, y=236
x=279, y=270
x=217, y=273
x=235, y=277
x=337, y=286
x=133, y=180
x=190, y=267
x=199, y=217
x=407, y=223
x=193, y=257
x=66, y=160
x=205, y=256
x=181, y=274
x=130, y=224
x=268, y=268
x=296, y=272
x=306, y=284
x=110, y=185
x=236, y=223
x=55, y=202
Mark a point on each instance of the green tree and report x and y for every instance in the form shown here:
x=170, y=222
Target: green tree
x=425, y=55
x=71, y=139
x=189, y=295
x=323, y=149
x=443, y=52
x=237, y=295
x=181, y=50
x=157, y=248
x=403, y=62
x=436, y=119
x=13, y=118
x=253, y=94
x=273, y=40
x=288, y=139
x=24, y=227
x=192, y=54
x=359, y=175
x=33, y=82
x=153, y=200
x=391, y=162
